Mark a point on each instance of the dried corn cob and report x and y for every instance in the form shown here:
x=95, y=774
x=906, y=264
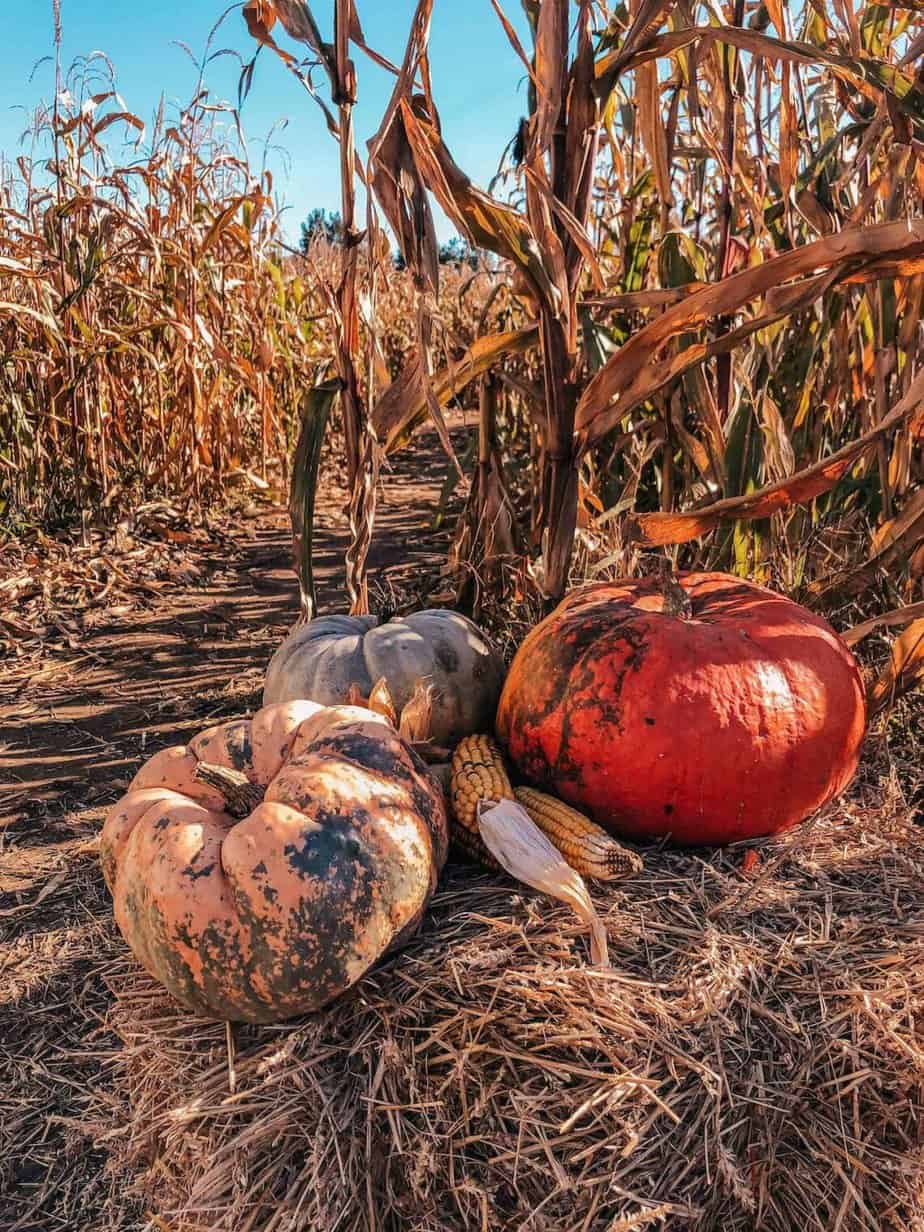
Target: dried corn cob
x=477, y=774
x=472, y=845
x=586, y=847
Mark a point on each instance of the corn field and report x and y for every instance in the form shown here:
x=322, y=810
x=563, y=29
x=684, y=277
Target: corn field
x=157, y=332
x=695, y=323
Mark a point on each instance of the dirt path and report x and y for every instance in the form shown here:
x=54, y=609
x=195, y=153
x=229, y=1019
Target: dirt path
x=105, y=688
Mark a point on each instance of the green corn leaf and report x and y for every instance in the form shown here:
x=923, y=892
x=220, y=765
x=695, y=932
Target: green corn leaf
x=315, y=412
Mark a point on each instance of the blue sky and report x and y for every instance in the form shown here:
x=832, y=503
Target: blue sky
x=479, y=82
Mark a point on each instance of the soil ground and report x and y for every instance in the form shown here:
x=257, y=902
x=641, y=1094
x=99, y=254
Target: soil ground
x=105, y=684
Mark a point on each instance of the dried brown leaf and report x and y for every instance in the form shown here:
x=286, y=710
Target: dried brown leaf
x=870, y=77
x=897, y=538
x=487, y=223
x=260, y=17
x=900, y=616
x=551, y=67
x=648, y=16
x=299, y=23
x=651, y=124
x=904, y=671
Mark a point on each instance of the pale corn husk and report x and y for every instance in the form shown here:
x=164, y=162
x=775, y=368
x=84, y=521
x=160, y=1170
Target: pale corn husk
x=416, y=720
x=417, y=715
x=517, y=843
x=380, y=700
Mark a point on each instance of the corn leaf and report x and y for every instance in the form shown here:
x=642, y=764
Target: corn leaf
x=485, y=222
x=903, y=672
x=403, y=406
x=872, y=77
x=900, y=616
x=315, y=411
x=658, y=529
x=628, y=378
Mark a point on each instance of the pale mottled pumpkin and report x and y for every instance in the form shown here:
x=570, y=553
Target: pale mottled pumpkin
x=264, y=916
x=321, y=660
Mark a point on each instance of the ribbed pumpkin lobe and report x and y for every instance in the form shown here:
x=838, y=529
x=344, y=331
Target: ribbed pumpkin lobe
x=261, y=870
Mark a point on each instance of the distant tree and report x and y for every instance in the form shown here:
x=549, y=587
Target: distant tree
x=458, y=252
x=321, y=225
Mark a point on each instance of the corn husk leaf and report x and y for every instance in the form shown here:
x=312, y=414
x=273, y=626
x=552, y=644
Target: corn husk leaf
x=520, y=847
x=299, y=23
x=416, y=723
x=486, y=222
x=899, y=616
x=647, y=17
x=551, y=61
x=380, y=700
x=651, y=125
x=395, y=178
x=904, y=671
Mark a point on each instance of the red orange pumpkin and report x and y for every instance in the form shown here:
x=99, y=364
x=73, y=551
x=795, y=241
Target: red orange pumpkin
x=734, y=719
x=259, y=910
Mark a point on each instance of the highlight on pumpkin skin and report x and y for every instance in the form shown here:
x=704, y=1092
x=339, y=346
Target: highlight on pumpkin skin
x=275, y=914
x=122, y=821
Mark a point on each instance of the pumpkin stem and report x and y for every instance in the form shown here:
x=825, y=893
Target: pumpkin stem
x=241, y=796
x=676, y=600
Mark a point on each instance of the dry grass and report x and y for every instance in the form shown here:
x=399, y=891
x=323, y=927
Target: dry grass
x=55, y=1053
x=754, y=1059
